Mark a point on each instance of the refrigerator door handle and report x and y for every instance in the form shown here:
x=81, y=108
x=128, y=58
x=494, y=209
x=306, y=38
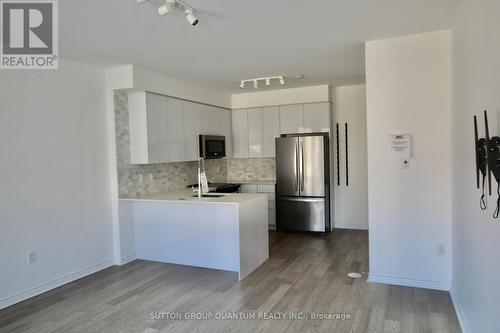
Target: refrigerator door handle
x=301, y=166
x=296, y=167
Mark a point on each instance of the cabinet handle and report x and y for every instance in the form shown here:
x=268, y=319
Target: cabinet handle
x=346, y=158
x=338, y=155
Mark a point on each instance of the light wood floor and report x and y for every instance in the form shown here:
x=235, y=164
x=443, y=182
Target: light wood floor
x=305, y=274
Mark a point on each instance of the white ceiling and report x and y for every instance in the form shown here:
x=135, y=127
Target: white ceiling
x=241, y=39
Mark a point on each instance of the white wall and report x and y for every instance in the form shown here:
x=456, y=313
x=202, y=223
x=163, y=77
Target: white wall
x=476, y=235
x=351, y=202
x=301, y=95
x=136, y=78
x=54, y=192
x=408, y=82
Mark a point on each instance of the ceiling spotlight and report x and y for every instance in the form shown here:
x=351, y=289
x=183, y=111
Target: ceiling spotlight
x=255, y=84
x=282, y=80
x=268, y=82
x=165, y=9
x=242, y=85
x=193, y=20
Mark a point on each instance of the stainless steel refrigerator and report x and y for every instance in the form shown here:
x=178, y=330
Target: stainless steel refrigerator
x=303, y=183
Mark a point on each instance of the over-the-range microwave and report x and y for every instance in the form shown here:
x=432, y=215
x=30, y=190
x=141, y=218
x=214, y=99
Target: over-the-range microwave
x=212, y=146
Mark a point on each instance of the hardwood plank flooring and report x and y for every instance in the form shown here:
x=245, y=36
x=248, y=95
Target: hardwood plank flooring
x=305, y=274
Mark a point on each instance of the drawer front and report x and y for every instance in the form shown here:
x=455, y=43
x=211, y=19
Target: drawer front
x=271, y=204
x=248, y=188
x=261, y=188
x=272, y=217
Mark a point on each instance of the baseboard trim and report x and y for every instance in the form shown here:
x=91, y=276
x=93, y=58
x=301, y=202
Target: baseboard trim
x=464, y=324
x=24, y=295
x=125, y=260
x=436, y=285
x=351, y=227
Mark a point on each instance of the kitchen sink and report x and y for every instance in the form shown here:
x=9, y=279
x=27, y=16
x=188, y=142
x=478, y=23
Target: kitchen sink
x=208, y=195
x=205, y=195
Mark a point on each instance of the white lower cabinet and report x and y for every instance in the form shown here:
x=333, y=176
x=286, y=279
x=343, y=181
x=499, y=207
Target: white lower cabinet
x=269, y=189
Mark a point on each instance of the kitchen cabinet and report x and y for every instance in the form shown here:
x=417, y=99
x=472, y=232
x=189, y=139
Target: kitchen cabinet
x=191, y=130
x=268, y=189
x=175, y=130
x=316, y=117
x=165, y=129
x=292, y=118
x=255, y=130
x=147, y=123
x=271, y=130
x=220, y=124
x=255, y=133
x=156, y=122
x=240, y=133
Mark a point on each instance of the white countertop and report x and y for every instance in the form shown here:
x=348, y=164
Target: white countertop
x=186, y=196
x=253, y=182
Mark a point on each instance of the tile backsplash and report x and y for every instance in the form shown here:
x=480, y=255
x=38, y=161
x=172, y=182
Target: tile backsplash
x=251, y=169
x=137, y=180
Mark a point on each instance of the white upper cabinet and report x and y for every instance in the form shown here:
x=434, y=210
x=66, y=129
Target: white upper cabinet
x=164, y=129
x=175, y=130
x=271, y=129
x=147, y=123
x=240, y=133
x=220, y=124
x=255, y=133
x=157, y=121
x=191, y=130
x=204, y=119
x=292, y=118
x=255, y=130
x=317, y=117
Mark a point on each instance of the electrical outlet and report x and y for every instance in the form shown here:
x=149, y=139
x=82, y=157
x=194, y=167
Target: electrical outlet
x=31, y=257
x=441, y=250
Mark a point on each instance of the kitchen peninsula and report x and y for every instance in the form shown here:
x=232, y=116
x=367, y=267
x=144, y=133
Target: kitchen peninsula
x=218, y=231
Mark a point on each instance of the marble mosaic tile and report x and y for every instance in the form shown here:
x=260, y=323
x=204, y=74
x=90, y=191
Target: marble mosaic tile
x=136, y=180
x=251, y=169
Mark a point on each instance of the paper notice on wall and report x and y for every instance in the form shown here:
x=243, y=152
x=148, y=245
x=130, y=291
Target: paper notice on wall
x=400, y=146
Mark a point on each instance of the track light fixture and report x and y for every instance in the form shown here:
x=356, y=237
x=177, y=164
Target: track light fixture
x=166, y=8
x=169, y=5
x=255, y=81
